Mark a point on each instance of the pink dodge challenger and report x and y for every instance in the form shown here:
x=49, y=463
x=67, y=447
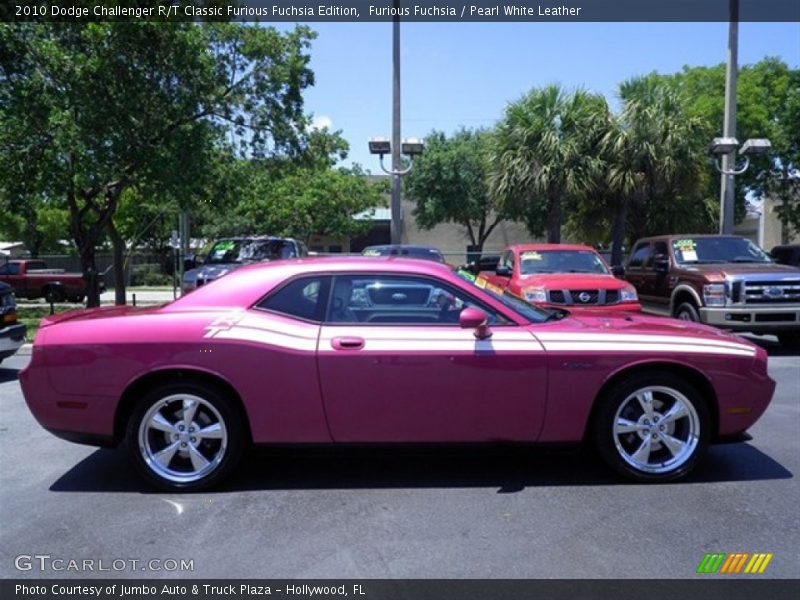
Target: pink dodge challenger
x=360, y=350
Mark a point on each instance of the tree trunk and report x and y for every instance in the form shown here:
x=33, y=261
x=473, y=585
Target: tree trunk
x=89, y=269
x=618, y=233
x=554, y=219
x=119, y=263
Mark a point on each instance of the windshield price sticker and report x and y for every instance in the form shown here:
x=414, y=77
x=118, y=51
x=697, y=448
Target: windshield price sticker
x=481, y=282
x=531, y=256
x=687, y=249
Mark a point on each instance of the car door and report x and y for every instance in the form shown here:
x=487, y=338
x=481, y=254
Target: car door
x=655, y=286
x=395, y=366
x=635, y=270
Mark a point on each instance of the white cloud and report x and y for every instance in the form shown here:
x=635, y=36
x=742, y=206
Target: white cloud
x=321, y=122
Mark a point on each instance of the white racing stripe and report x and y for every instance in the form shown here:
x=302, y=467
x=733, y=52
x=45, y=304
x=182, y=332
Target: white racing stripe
x=641, y=338
x=612, y=346
x=266, y=337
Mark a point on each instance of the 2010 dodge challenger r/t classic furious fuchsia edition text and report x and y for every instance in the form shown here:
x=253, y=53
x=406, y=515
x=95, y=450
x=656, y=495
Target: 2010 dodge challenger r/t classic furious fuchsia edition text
x=359, y=350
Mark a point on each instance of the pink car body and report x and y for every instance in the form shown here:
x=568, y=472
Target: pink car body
x=299, y=381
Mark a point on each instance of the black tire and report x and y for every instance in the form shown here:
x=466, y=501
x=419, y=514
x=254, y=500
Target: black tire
x=687, y=311
x=77, y=299
x=180, y=474
x=618, y=448
x=54, y=294
x=790, y=341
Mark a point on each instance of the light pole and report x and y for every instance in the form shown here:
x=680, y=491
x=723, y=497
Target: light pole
x=724, y=149
x=395, y=147
x=729, y=123
x=410, y=147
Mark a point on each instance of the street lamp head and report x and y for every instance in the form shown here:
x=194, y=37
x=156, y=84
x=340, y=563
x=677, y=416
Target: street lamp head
x=380, y=145
x=722, y=146
x=756, y=146
x=413, y=146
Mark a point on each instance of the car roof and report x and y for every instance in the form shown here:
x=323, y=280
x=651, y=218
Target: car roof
x=549, y=247
x=401, y=247
x=246, y=284
x=681, y=236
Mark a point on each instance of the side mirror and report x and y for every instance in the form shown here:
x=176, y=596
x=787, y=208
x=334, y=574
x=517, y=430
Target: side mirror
x=503, y=271
x=618, y=271
x=661, y=264
x=189, y=263
x=475, y=318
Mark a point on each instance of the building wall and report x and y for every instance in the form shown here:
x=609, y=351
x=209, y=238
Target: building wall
x=453, y=239
x=749, y=228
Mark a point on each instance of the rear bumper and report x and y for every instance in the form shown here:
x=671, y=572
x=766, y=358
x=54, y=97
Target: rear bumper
x=11, y=339
x=760, y=319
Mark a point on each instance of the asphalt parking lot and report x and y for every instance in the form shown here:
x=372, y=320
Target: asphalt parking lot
x=398, y=513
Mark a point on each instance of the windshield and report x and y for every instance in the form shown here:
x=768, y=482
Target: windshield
x=239, y=251
x=718, y=250
x=529, y=312
x=561, y=261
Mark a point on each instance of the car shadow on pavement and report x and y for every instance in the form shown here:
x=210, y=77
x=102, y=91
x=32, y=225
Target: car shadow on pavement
x=7, y=374
x=509, y=469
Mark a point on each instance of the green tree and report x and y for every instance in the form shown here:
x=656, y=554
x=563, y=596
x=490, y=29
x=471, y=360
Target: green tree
x=449, y=184
x=97, y=108
x=768, y=105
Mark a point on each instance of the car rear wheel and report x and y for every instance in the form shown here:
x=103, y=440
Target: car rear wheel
x=687, y=312
x=652, y=427
x=185, y=437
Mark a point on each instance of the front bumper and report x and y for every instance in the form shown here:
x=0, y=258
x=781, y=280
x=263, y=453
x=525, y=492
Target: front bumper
x=11, y=339
x=612, y=308
x=771, y=319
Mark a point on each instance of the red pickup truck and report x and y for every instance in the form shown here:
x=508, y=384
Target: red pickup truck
x=32, y=279
x=562, y=275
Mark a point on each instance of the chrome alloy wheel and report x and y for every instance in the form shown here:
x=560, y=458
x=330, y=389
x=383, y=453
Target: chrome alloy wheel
x=182, y=438
x=656, y=429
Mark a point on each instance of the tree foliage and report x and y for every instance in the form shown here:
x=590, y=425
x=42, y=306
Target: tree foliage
x=88, y=111
x=449, y=183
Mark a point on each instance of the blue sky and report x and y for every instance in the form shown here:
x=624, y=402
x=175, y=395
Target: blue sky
x=456, y=74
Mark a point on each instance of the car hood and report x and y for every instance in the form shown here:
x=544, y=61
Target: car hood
x=559, y=281
x=722, y=270
x=638, y=323
x=211, y=271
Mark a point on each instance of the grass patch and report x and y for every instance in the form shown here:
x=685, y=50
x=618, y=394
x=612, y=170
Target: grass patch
x=31, y=316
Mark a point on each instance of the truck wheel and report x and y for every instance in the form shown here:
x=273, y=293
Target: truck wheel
x=687, y=312
x=790, y=341
x=653, y=426
x=54, y=295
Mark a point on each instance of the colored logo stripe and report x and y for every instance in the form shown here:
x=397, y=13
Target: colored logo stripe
x=720, y=562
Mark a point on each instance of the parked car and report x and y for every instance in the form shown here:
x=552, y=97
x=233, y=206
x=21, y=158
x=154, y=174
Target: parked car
x=405, y=251
x=726, y=281
x=287, y=352
x=487, y=262
x=786, y=255
x=228, y=254
x=12, y=333
x=32, y=279
x=561, y=275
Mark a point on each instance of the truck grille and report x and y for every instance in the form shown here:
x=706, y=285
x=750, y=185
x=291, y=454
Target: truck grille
x=583, y=297
x=772, y=292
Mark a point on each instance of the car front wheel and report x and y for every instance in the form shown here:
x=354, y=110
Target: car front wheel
x=185, y=437
x=687, y=312
x=652, y=427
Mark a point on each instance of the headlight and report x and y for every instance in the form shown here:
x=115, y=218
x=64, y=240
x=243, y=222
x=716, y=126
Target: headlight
x=714, y=294
x=628, y=294
x=534, y=294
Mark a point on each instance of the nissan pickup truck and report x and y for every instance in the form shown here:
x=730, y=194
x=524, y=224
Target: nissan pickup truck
x=721, y=280
x=32, y=279
x=561, y=276
x=12, y=332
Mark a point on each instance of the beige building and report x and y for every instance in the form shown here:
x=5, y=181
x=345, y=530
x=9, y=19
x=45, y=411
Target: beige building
x=764, y=227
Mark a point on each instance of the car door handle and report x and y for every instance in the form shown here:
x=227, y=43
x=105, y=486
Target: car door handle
x=347, y=343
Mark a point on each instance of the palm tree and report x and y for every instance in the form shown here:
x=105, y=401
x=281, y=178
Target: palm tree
x=543, y=154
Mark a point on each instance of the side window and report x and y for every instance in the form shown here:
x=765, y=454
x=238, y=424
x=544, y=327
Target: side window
x=508, y=260
x=639, y=255
x=303, y=298
x=399, y=300
x=658, y=248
